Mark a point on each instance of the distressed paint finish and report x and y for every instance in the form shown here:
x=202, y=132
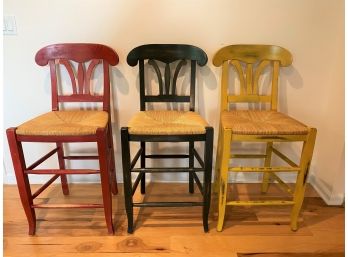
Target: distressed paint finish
x=249, y=62
x=175, y=55
x=57, y=56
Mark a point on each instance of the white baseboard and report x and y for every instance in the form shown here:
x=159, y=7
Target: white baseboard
x=321, y=189
x=326, y=194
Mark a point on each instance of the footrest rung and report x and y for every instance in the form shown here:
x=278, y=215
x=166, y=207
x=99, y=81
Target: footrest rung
x=260, y=202
x=63, y=206
x=61, y=172
x=264, y=169
x=167, y=204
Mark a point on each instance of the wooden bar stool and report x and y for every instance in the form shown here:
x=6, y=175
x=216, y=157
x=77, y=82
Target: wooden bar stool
x=166, y=125
x=269, y=127
x=69, y=126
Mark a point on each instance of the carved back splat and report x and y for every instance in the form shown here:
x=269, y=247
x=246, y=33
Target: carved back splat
x=167, y=53
x=64, y=54
x=255, y=58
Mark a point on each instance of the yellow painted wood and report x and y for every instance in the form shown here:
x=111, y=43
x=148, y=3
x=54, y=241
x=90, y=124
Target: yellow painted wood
x=269, y=138
x=248, y=156
x=249, y=78
x=250, y=62
x=253, y=54
x=256, y=58
x=257, y=74
x=264, y=169
x=224, y=87
x=237, y=66
x=216, y=186
x=226, y=148
x=284, y=158
x=274, y=104
x=281, y=184
x=259, y=203
x=249, y=98
x=267, y=163
x=305, y=162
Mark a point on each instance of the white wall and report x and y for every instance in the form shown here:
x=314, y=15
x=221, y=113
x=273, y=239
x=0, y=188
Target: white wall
x=311, y=90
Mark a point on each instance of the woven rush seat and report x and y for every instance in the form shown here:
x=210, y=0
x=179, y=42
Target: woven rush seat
x=65, y=123
x=255, y=122
x=166, y=123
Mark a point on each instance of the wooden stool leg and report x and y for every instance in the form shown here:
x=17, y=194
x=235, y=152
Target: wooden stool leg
x=223, y=180
x=266, y=175
x=18, y=160
x=306, y=157
x=191, y=163
x=127, y=179
x=208, y=156
x=142, y=165
x=104, y=175
x=216, y=186
x=113, y=179
x=61, y=161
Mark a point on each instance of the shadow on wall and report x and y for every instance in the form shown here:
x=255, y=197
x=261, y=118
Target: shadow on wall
x=288, y=76
x=118, y=84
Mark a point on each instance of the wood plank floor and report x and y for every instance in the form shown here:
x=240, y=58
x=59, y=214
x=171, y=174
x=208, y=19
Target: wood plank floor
x=248, y=231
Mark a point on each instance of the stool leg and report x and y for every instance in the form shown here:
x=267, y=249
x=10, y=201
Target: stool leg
x=18, y=160
x=191, y=163
x=306, y=157
x=113, y=179
x=142, y=165
x=208, y=155
x=223, y=180
x=266, y=175
x=127, y=180
x=104, y=175
x=63, y=178
x=216, y=186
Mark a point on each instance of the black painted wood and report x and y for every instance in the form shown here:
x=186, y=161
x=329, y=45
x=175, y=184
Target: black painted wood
x=208, y=153
x=168, y=54
x=127, y=179
x=174, y=57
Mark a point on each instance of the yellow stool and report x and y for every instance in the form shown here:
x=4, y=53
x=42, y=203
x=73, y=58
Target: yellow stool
x=258, y=125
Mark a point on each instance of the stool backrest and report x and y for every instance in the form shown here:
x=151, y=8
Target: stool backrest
x=87, y=56
x=177, y=54
x=249, y=62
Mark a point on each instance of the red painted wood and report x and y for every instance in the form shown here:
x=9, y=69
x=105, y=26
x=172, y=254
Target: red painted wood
x=106, y=102
x=89, y=73
x=42, y=159
x=62, y=171
x=57, y=56
x=104, y=175
x=54, y=139
x=77, y=52
x=64, y=206
x=23, y=185
x=81, y=98
x=53, y=74
x=44, y=186
x=71, y=73
x=81, y=77
x=61, y=161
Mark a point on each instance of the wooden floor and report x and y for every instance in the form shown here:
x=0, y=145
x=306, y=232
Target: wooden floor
x=248, y=231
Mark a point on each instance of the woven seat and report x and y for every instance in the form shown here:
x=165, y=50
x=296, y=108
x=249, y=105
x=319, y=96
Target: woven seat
x=253, y=65
x=254, y=122
x=65, y=123
x=166, y=123
x=174, y=126
x=70, y=126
